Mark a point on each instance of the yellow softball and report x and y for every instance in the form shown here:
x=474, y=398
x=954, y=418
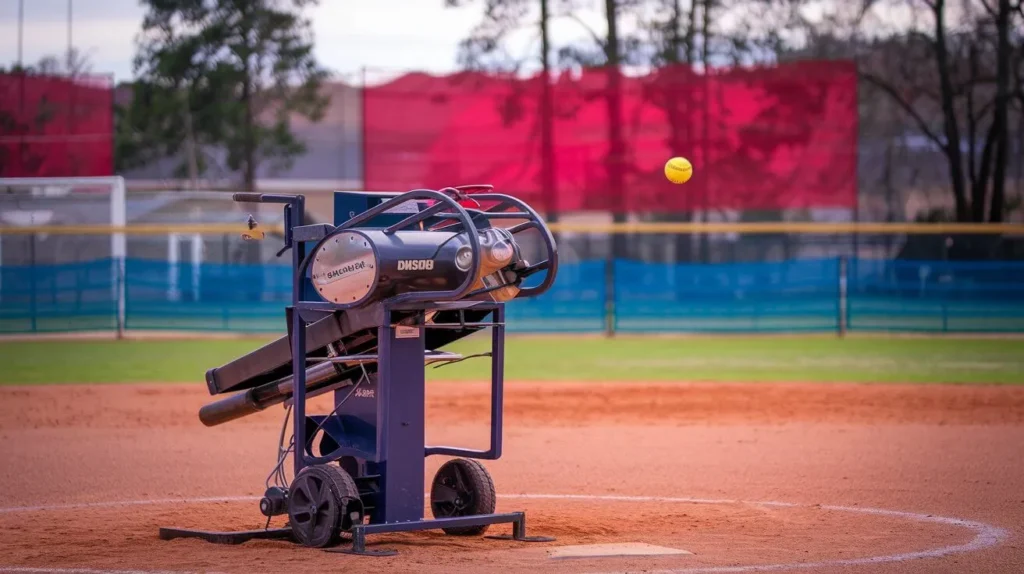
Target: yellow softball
x=678, y=170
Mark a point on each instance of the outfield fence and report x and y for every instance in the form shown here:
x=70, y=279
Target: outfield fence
x=836, y=294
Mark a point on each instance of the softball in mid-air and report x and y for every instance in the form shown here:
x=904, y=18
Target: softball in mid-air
x=678, y=170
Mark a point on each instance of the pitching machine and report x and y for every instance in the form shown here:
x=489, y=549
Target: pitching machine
x=375, y=298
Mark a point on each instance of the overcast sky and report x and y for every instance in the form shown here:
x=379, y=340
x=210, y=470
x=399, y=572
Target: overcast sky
x=395, y=35
x=387, y=36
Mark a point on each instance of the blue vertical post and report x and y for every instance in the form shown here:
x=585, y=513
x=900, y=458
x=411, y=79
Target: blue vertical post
x=121, y=319
x=944, y=293
x=400, y=413
x=34, y=309
x=497, y=378
x=842, y=303
x=298, y=329
x=293, y=218
x=609, y=296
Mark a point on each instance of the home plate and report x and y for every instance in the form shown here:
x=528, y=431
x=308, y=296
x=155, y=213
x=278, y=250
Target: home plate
x=610, y=550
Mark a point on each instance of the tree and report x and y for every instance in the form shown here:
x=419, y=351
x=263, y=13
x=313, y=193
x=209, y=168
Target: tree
x=73, y=65
x=954, y=71
x=670, y=35
x=483, y=50
x=503, y=16
x=226, y=74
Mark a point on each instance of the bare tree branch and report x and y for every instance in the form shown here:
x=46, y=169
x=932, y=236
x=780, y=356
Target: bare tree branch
x=980, y=188
x=906, y=106
x=597, y=38
x=990, y=9
x=984, y=110
x=950, y=124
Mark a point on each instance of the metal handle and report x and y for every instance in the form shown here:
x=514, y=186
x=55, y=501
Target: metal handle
x=265, y=198
x=535, y=221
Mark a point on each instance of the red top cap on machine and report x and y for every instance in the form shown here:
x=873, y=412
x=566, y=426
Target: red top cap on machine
x=461, y=193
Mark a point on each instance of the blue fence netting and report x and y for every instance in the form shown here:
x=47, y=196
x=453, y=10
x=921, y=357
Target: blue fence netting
x=792, y=296
x=59, y=298
x=805, y=295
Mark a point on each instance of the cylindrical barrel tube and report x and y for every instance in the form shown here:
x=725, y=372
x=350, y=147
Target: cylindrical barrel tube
x=256, y=399
x=228, y=409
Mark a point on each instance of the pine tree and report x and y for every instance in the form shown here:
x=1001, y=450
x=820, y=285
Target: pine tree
x=223, y=74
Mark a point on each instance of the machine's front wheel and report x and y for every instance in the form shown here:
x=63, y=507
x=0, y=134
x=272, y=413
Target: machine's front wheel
x=462, y=487
x=323, y=501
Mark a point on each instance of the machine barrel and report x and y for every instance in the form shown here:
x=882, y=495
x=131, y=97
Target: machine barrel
x=258, y=398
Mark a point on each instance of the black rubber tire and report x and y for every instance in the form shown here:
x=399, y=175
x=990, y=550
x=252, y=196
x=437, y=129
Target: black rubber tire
x=336, y=498
x=473, y=490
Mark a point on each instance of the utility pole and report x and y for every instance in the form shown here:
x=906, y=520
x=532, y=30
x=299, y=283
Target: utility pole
x=70, y=63
x=21, y=32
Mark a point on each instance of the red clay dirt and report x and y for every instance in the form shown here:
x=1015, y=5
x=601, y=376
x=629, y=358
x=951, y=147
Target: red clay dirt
x=951, y=453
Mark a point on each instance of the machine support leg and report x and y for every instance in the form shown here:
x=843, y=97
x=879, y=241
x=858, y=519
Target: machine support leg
x=497, y=379
x=517, y=519
x=400, y=400
x=519, y=532
x=358, y=547
x=299, y=385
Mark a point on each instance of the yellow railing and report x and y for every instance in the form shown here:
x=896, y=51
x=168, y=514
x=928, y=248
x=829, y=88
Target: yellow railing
x=596, y=228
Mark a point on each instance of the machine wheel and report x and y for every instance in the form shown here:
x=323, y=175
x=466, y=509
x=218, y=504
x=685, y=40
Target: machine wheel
x=323, y=501
x=462, y=487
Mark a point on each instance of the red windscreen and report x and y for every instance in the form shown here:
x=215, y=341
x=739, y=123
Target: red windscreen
x=56, y=127
x=781, y=137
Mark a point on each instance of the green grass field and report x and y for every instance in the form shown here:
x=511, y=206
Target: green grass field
x=739, y=359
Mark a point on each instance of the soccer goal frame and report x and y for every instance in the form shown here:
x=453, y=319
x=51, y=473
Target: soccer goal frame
x=118, y=221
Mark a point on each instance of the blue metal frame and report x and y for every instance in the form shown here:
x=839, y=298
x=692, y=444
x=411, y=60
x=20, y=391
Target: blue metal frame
x=387, y=438
x=395, y=359
x=497, y=393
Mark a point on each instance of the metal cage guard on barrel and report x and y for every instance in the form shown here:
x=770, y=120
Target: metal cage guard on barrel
x=375, y=298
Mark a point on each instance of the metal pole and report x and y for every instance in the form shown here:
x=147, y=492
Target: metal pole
x=122, y=298
x=34, y=303
x=70, y=72
x=21, y=33
x=173, y=250
x=119, y=246
x=293, y=219
x=610, y=310
x=841, y=323
x=197, y=261
x=365, y=160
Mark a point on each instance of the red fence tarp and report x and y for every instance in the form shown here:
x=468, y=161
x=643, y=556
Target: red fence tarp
x=55, y=126
x=772, y=138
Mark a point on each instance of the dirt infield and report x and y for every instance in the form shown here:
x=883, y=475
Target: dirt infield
x=822, y=478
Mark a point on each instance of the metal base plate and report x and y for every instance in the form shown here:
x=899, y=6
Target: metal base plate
x=518, y=520
x=363, y=552
x=521, y=539
x=239, y=537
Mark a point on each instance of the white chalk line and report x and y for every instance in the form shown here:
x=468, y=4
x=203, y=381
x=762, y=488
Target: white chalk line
x=111, y=504
x=27, y=570
x=866, y=363
x=986, y=535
